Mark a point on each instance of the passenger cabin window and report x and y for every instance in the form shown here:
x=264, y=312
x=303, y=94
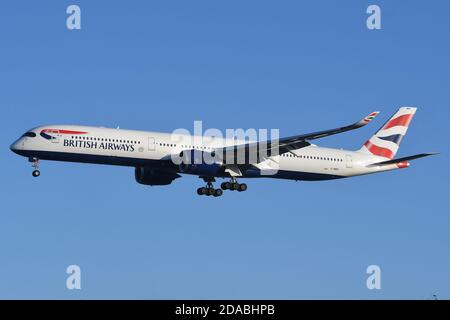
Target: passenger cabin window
x=29, y=134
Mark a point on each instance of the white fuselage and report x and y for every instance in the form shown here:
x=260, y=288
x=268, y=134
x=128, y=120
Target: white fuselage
x=154, y=149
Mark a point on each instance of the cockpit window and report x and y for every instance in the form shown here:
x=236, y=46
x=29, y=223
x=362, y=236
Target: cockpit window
x=29, y=134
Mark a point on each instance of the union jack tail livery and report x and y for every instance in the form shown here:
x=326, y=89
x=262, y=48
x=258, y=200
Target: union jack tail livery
x=387, y=139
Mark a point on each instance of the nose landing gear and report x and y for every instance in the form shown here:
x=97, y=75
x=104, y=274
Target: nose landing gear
x=36, y=173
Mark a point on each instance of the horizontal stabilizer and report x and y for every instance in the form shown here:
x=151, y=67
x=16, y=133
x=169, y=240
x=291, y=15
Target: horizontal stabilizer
x=398, y=160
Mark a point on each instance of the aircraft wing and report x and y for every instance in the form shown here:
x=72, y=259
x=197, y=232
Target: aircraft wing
x=256, y=152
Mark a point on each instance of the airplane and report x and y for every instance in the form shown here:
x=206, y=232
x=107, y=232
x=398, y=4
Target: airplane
x=152, y=154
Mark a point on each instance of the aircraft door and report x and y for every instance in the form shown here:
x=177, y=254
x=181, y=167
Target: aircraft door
x=151, y=144
x=349, y=161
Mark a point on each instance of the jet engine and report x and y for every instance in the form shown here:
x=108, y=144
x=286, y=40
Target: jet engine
x=154, y=176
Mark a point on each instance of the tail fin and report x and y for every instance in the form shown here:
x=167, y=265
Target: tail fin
x=387, y=139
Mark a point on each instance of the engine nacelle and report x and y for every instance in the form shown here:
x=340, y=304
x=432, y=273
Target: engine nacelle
x=199, y=163
x=154, y=177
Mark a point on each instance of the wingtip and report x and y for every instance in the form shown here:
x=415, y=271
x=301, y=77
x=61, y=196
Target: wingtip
x=370, y=117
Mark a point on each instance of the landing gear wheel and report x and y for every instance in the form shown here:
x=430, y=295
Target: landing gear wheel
x=242, y=187
x=209, y=190
x=233, y=185
x=36, y=173
x=226, y=185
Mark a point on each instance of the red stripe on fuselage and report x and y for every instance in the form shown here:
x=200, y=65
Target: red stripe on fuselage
x=403, y=120
x=63, y=131
x=379, y=151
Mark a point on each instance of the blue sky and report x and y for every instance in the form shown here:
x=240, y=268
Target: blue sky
x=294, y=65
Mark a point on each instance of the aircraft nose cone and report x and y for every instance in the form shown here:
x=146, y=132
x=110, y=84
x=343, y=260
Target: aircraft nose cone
x=13, y=147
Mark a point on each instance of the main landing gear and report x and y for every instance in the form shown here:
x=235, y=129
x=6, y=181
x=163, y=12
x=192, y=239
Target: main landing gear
x=229, y=185
x=209, y=190
x=36, y=173
x=233, y=185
